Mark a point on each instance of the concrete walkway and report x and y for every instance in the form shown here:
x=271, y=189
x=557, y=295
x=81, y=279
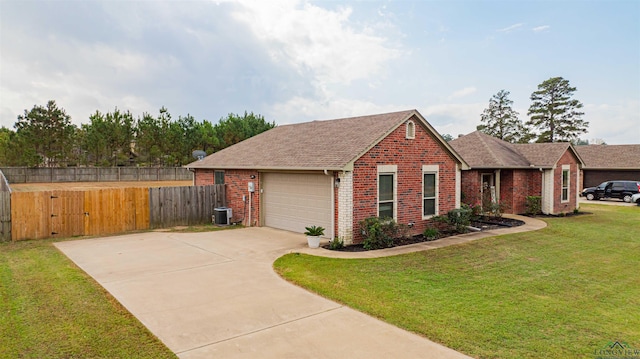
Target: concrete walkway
x=215, y=295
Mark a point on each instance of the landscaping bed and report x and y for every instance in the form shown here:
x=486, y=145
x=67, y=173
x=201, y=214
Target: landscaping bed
x=482, y=223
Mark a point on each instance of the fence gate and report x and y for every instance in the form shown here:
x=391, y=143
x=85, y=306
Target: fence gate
x=67, y=214
x=5, y=216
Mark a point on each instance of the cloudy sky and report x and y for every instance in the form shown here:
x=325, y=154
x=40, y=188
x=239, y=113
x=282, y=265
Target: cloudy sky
x=295, y=61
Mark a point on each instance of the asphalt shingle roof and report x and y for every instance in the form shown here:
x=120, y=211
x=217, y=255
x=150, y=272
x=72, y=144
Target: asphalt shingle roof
x=480, y=150
x=610, y=156
x=316, y=145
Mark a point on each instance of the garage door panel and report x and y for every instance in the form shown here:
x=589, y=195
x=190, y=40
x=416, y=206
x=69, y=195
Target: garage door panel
x=295, y=201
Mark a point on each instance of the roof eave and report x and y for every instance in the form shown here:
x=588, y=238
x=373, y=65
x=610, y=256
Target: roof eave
x=612, y=168
x=509, y=167
x=271, y=168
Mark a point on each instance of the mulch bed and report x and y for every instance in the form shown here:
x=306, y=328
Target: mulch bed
x=484, y=223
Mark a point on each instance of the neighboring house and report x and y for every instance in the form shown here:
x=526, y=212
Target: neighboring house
x=507, y=173
x=609, y=162
x=336, y=173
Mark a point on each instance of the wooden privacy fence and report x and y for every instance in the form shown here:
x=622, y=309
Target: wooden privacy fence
x=58, y=214
x=95, y=174
x=175, y=206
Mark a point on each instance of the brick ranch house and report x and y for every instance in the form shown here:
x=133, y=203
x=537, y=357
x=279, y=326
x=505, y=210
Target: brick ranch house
x=336, y=173
x=609, y=162
x=507, y=173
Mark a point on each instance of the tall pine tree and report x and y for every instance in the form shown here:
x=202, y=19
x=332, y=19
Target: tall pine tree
x=555, y=113
x=47, y=133
x=501, y=121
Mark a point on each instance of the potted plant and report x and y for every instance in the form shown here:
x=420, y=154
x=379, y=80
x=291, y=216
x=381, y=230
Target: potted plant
x=313, y=234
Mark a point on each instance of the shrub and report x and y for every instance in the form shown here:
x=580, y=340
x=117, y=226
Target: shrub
x=336, y=243
x=476, y=210
x=431, y=233
x=380, y=232
x=496, y=209
x=534, y=205
x=460, y=218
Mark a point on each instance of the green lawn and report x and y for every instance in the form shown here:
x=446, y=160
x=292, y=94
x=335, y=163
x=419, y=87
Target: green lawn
x=561, y=292
x=51, y=309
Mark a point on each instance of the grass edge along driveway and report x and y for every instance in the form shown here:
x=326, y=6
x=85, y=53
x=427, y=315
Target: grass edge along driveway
x=49, y=308
x=565, y=291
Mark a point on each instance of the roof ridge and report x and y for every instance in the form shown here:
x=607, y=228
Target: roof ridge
x=483, y=137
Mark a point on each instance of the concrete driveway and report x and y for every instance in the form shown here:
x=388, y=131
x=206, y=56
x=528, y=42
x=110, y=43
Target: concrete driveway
x=215, y=295
x=608, y=202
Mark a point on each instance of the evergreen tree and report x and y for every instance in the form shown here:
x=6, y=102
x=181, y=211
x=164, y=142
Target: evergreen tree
x=48, y=132
x=555, y=113
x=501, y=121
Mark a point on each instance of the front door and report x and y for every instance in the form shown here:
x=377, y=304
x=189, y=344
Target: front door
x=488, y=190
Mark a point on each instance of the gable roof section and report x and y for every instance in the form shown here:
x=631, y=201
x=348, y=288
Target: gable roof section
x=480, y=150
x=610, y=157
x=316, y=145
x=544, y=155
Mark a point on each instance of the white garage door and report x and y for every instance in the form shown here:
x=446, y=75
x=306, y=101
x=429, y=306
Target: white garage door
x=295, y=201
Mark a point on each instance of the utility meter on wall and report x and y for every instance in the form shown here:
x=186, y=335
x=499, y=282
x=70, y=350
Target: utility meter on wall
x=252, y=187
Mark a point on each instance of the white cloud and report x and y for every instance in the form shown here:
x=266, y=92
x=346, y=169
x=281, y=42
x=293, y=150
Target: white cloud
x=454, y=119
x=298, y=109
x=625, y=115
x=82, y=78
x=511, y=27
x=462, y=93
x=541, y=28
x=317, y=41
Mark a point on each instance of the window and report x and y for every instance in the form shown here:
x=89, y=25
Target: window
x=565, y=183
x=411, y=130
x=218, y=177
x=429, y=191
x=429, y=194
x=385, y=195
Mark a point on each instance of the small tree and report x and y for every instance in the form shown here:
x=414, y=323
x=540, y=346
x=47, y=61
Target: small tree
x=501, y=121
x=555, y=113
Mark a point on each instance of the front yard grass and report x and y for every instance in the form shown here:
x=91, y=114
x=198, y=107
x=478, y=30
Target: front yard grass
x=561, y=292
x=49, y=308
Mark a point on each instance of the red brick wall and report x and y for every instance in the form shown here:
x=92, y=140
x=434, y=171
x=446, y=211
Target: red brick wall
x=535, y=182
x=203, y=178
x=515, y=186
x=470, y=187
x=564, y=207
x=236, y=186
x=409, y=156
x=509, y=187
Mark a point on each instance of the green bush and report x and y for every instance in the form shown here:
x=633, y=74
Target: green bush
x=431, y=233
x=460, y=218
x=534, y=205
x=476, y=210
x=336, y=243
x=380, y=232
x=496, y=209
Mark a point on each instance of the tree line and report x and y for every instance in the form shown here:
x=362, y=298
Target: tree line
x=555, y=116
x=45, y=137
